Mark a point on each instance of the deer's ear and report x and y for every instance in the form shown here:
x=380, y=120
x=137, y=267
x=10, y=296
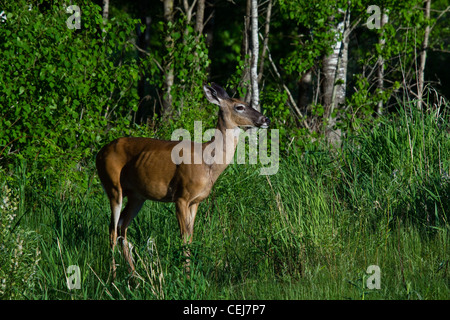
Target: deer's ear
x=211, y=94
x=221, y=93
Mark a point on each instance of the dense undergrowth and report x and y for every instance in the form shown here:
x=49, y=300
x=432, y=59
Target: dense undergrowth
x=308, y=232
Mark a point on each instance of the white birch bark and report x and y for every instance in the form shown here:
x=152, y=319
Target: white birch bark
x=423, y=58
x=335, y=77
x=168, y=65
x=380, y=71
x=255, y=53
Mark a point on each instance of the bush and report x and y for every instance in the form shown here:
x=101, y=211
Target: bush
x=63, y=88
x=400, y=164
x=20, y=254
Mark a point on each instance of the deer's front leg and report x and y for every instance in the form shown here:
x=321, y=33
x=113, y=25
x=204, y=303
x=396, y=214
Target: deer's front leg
x=186, y=217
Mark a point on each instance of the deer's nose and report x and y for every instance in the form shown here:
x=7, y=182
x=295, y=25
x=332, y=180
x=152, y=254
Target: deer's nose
x=264, y=122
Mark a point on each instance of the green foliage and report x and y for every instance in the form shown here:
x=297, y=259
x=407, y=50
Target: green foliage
x=313, y=33
x=62, y=88
x=65, y=92
x=407, y=155
x=308, y=232
x=20, y=254
x=319, y=37
x=189, y=57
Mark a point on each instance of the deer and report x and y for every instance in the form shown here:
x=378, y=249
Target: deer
x=141, y=169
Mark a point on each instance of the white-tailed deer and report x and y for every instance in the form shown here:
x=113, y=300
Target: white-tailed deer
x=143, y=168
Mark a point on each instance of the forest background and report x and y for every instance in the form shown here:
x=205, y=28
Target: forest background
x=357, y=89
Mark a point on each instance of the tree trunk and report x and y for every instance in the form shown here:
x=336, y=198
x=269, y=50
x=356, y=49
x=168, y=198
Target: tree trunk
x=246, y=53
x=255, y=54
x=304, y=91
x=423, y=58
x=146, y=107
x=105, y=13
x=335, y=73
x=168, y=63
x=265, y=40
x=188, y=10
x=200, y=16
x=380, y=71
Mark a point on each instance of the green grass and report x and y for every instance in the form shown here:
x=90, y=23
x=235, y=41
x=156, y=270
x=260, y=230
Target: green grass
x=308, y=232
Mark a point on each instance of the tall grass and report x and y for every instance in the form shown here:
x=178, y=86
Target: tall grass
x=308, y=232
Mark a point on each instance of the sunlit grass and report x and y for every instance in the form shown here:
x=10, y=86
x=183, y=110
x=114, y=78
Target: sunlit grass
x=308, y=232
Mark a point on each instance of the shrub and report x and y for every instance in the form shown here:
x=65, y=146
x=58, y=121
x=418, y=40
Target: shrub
x=20, y=254
x=62, y=88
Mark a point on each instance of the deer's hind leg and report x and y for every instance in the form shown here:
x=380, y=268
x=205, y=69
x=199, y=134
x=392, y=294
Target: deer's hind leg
x=115, y=200
x=131, y=210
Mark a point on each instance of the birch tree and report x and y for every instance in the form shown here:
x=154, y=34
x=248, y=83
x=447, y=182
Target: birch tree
x=105, y=10
x=199, y=19
x=246, y=51
x=254, y=55
x=168, y=63
x=423, y=57
x=334, y=72
x=381, y=60
x=321, y=45
x=265, y=40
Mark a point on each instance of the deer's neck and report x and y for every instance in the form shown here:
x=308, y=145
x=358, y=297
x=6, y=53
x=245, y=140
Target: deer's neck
x=222, y=147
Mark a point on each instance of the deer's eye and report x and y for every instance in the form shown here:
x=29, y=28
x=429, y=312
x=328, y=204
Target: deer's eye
x=239, y=108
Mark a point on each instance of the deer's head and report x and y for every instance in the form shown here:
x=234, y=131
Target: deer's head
x=235, y=113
